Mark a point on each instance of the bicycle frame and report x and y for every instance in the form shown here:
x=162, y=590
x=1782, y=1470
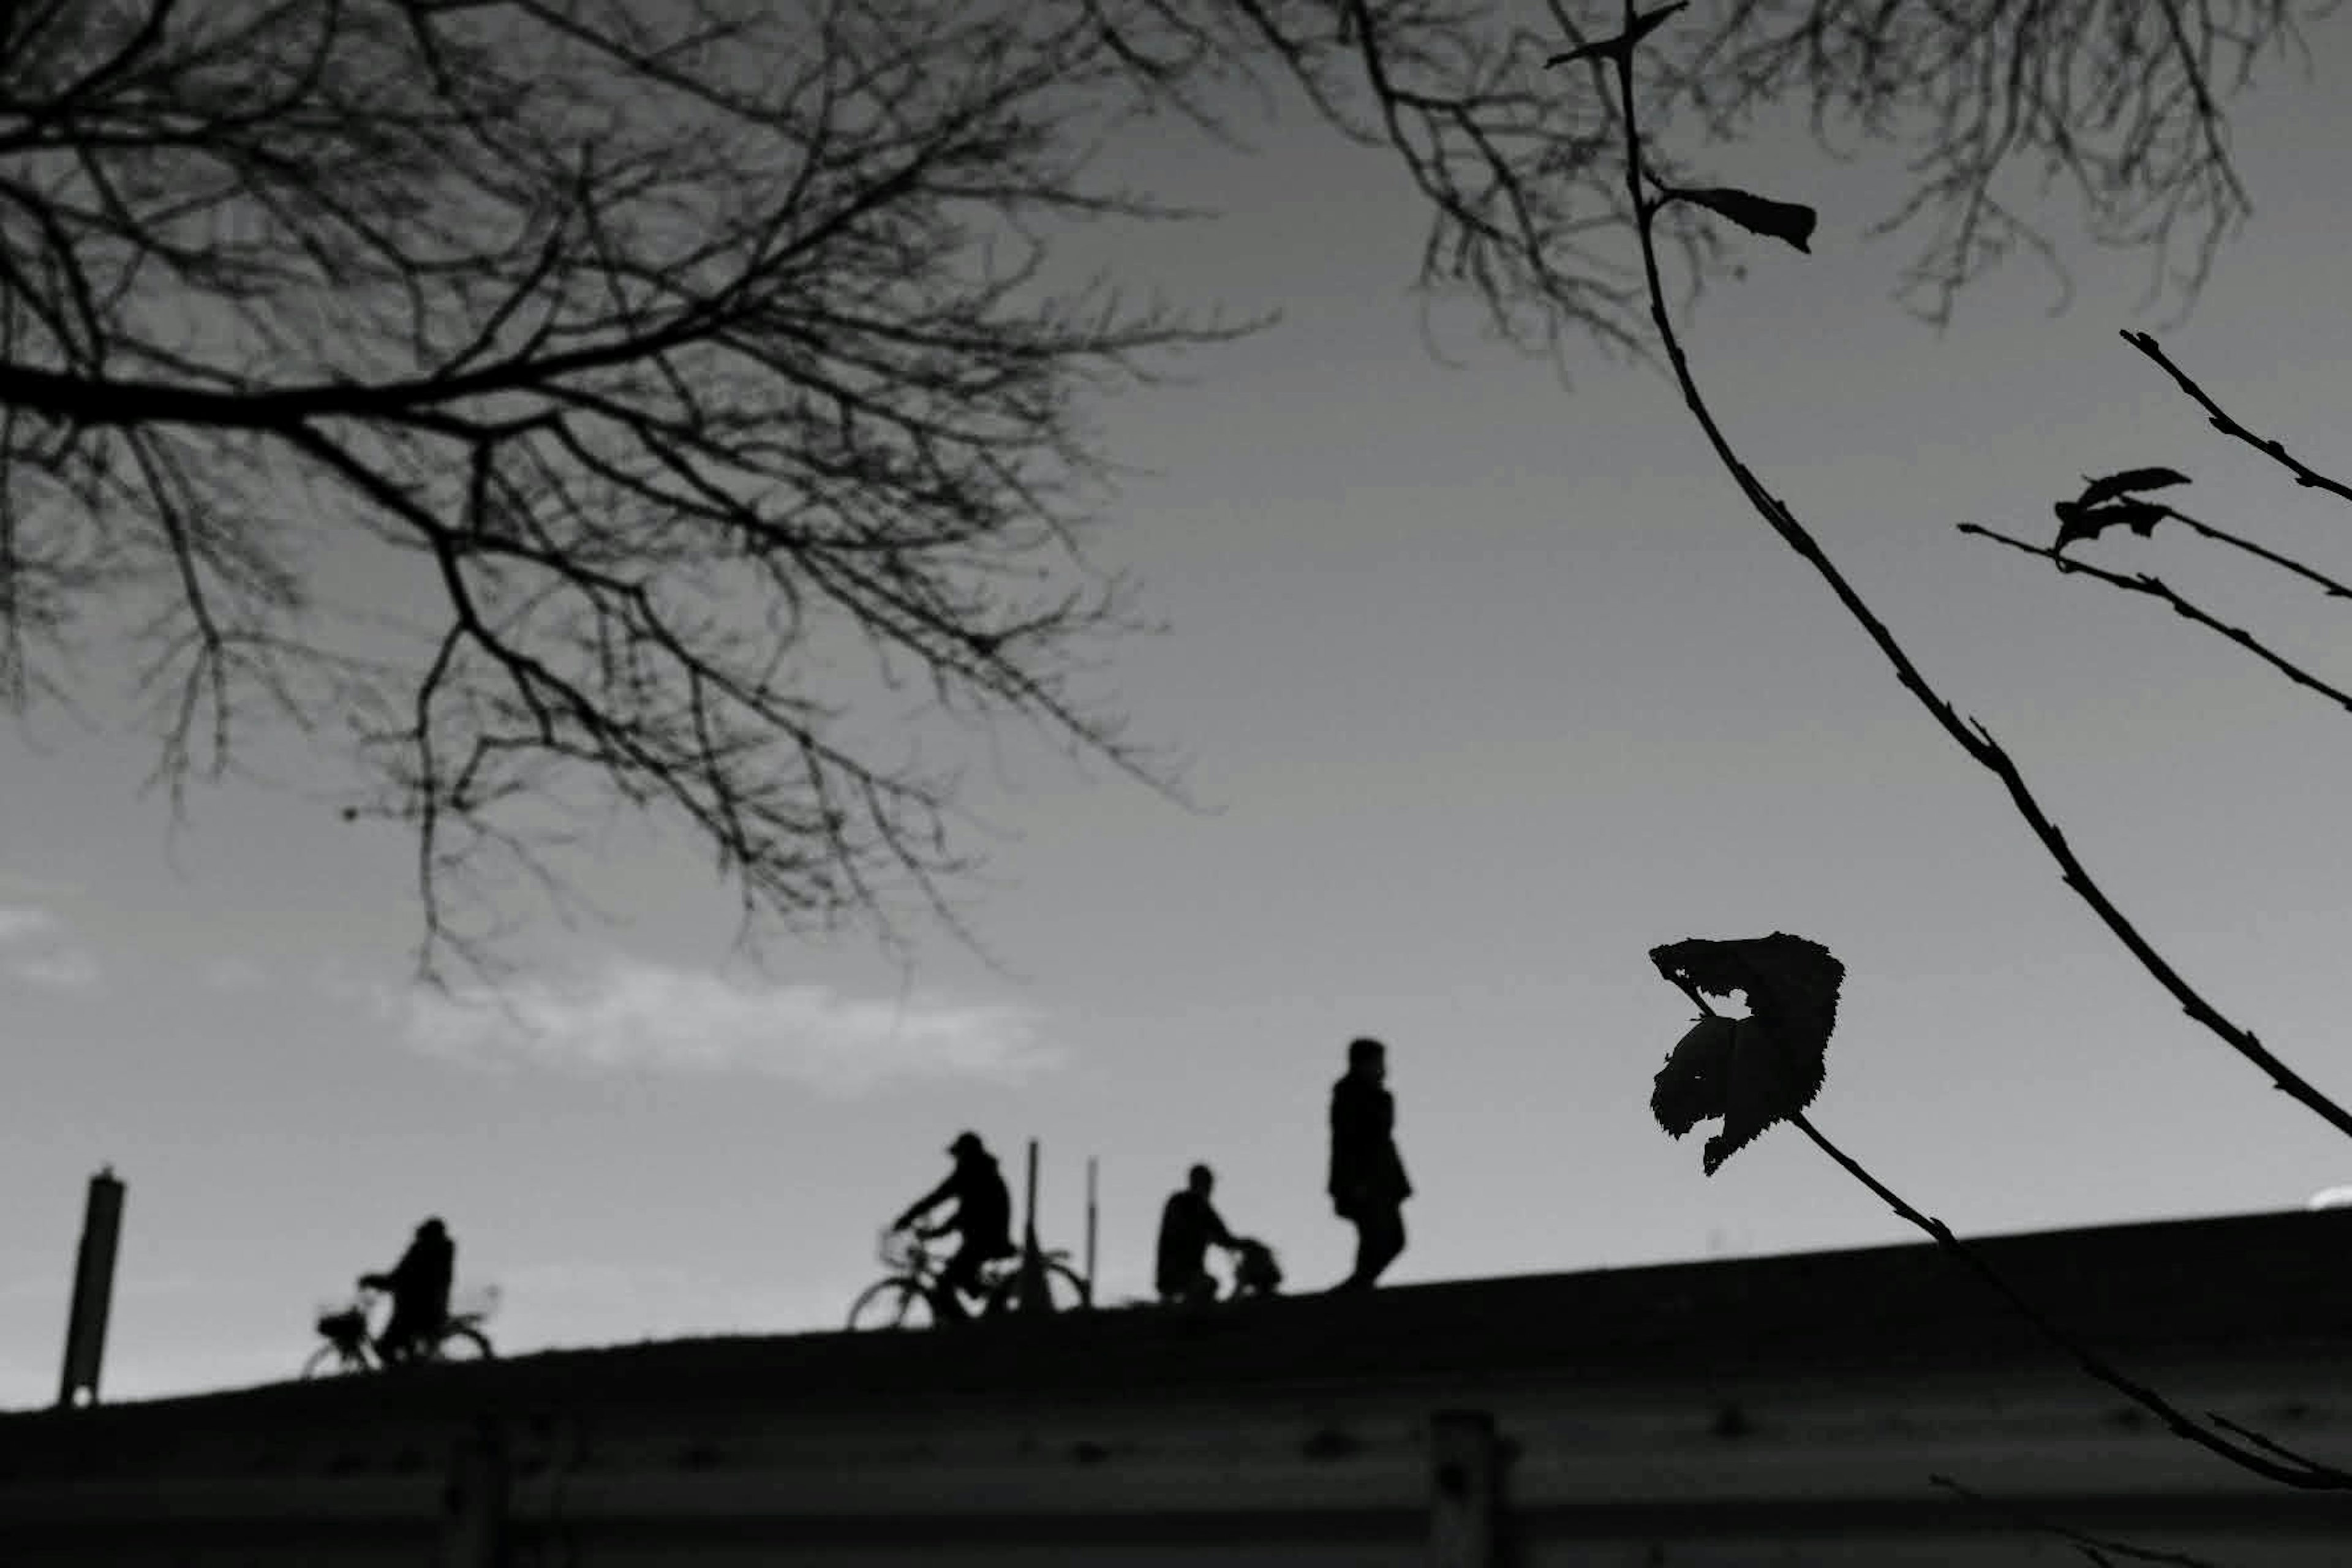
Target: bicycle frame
x=1005, y=1284
x=1017, y=1283
x=350, y=1333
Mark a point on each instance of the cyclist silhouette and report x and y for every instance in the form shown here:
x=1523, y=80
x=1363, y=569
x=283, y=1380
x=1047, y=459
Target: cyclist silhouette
x=1188, y=1223
x=419, y=1284
x=982, y=1218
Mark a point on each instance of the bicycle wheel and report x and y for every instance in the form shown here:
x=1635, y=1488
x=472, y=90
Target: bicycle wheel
x=326, y=1359
x=1065, y=1287
x=465, y=1342
x=1064, y=1291
x=892, y=1304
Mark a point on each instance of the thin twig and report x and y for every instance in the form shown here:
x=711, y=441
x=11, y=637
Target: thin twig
x=2297, y=1471
x=2305, y=474
x=2156, y=588
x=2096, y=1548
x=1970, y=734
x=2333, y=589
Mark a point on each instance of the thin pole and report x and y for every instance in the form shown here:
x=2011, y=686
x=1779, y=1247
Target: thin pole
x=93, y=1288
x=1033, y=1278
x=1031, y=1237
x=1090, y=1229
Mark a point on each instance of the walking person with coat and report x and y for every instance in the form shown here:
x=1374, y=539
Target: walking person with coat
x=1367, y=1181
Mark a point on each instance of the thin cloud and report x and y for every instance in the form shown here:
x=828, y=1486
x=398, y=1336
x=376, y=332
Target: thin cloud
x=234, y=975
x=19, y=924
x=635, y=1015
x=67, y=970
x=35, y=949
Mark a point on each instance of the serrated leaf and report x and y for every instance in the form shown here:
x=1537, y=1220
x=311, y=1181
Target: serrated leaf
x=1759, y=1069
x=1690, y=1088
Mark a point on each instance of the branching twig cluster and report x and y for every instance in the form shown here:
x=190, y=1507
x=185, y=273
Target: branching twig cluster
x=697, y=359
x=689, y=354
x=2117, y=99
x=2155, y=588
x=2147, y=514
x=1971, y=735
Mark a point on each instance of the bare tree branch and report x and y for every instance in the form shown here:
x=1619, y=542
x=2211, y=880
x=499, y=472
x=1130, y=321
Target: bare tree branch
x=686, y=386
x=2096, y=1549
x=2254, y=1452
x=2263, y=1455
x=2331, y=587
x=695, y=361
x=1971, y=735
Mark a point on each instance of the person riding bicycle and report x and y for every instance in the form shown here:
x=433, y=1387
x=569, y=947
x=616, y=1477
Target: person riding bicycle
x=419, y=1284
x=982, y=1217
x=1188, y=1223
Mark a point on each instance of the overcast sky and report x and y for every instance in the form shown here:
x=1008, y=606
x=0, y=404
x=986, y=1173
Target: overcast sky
x=1487, y=688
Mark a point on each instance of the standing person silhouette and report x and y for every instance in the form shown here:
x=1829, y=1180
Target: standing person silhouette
x=1368, y=1182
x=982, y=1218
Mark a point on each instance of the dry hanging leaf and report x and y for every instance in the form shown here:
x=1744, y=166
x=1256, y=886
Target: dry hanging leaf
x=1754, y=1071
x=2076, y=521
x=2113, y=485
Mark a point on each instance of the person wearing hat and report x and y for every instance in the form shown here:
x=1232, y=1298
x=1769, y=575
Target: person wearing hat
x=982, y=1218
x=419, y=1284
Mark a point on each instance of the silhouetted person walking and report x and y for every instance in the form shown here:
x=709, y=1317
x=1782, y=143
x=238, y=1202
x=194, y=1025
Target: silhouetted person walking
x=1189, y=1222
x=1367, y=1181
x=419, y=1284
x=984, y=1219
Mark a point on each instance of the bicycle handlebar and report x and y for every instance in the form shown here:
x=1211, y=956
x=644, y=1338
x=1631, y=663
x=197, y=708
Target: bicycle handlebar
x=903, y=1247
x=474, y=1301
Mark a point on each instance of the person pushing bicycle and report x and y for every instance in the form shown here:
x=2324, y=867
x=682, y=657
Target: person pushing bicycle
x=419, y=1284
x=982, y=1219
x=1189, y=1224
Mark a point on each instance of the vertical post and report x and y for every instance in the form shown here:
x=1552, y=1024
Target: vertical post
x=1465, y=1490
x=101, y=1229
x=1091, y=1162
x=474, y=1501
x=1032, y=1293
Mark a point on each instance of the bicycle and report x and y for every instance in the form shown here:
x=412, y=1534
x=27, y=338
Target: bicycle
x=1255, y=1270
x=351, y=1346
x=906, y=1297
x=1256, y=1274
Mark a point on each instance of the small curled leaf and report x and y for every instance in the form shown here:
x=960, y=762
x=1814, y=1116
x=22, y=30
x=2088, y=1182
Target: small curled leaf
x=2113, y=485
x=2076, y=521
